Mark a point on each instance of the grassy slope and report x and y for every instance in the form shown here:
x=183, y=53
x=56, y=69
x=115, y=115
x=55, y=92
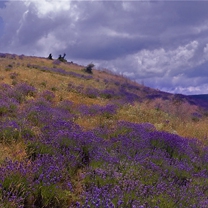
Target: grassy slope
x=166, y=111
x=173, y=113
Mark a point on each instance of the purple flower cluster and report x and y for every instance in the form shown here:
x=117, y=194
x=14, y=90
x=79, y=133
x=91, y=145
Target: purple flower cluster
x=123, y=165
x=110, y=93
x=7, y=106
x=130, y=86
x=19, y=92
x=143, y=167
x=48, y=95
x=196, y=116
x=91, y=92
x=6, y=55
x=9, y=131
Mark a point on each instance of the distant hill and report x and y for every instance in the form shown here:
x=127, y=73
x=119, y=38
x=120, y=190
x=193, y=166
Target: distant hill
x=201, y=97
x=200, y=100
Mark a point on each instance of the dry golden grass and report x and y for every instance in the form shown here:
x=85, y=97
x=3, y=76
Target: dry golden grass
x=186, y=127
x=91, y=122
x=49, y=81
x=15, y=151
x=193, y=129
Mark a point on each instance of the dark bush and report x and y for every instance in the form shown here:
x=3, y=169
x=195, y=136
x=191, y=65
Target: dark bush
x=50, y=56
x=89, y=67
x=62, y=58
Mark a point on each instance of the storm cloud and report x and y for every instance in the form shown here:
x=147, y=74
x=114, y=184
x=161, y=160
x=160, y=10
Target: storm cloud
x=163, y=44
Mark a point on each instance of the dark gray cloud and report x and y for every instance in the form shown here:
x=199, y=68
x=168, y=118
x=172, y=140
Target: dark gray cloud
x=161, y=43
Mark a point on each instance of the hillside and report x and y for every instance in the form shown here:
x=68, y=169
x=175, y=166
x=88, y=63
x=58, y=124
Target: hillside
x=74, y=139
x=202, y=97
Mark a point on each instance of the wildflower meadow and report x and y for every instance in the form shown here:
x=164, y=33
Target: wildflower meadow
x=70, y=139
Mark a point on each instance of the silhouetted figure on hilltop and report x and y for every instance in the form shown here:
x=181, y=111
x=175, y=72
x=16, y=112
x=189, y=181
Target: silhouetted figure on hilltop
x=62, y=58
x=50, y=56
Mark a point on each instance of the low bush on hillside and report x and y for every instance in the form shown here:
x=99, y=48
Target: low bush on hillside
x=88, y=68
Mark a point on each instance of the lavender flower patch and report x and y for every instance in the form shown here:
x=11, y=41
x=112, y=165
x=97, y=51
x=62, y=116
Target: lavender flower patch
x=92, y=92
x=59, y=71
x=79, y=89
x=108, y=93
x=129, y=97
x=21, y=57
x=9, y=67
x=36, y=112
x=5, y=88
x=196, y=116
x=40, y=113
x=71, y=87
x=34, y=66
x=8, y=106
x=56, y=62
x=3, y=55
x=117, y=181
x=109, y=110
x=117, y=83
x=13, y=56
x=36, y=184
x=87, y=77
x=153, y=96
x=106, y=81
x=25, y=89
x=124, y=165
x=9, y=131
x=66, y=105
x=20, y=91
x=48, y=95
x=165, y=163
x=130, y=86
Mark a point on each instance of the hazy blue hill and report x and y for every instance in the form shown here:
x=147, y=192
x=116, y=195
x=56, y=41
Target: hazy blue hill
x=201, y=97
x=200, y=100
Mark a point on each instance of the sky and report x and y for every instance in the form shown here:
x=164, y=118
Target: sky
x=161, y=44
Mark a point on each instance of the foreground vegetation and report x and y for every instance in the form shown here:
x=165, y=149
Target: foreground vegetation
x=74, y=139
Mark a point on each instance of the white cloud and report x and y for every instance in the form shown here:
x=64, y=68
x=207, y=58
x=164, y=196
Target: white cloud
x=113, y=33
x=45, y=7
x=50, y=43
x=164, y=69
x=189, y=90
x=157, y=62
x=161, y=60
